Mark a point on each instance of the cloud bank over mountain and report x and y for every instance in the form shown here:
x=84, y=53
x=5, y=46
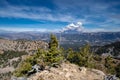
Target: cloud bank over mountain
x=74, y=27
x=78, y=27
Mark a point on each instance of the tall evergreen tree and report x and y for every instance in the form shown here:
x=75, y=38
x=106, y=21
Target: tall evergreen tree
x=53, y=42
x=53, y=54
x=86, y=57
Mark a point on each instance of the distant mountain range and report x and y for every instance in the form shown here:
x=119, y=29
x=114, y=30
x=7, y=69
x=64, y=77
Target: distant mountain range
x=78, y=39
x=99, y=38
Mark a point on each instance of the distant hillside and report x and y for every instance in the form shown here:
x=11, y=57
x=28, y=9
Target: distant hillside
x=21, y=45
x=24, y=35
x=110, y=49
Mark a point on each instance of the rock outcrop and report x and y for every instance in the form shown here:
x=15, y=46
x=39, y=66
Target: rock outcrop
x=21, y=45
x=68, y=71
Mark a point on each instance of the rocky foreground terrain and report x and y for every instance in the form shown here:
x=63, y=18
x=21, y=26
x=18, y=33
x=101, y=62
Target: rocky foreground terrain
x=66, y=71
x=21, y=45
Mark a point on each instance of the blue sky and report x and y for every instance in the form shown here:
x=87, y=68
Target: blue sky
x=54, y=15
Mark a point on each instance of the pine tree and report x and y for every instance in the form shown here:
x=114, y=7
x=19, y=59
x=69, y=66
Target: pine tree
x=85, y=56
x=52, y=55
x=53, y=42
x=55, y=54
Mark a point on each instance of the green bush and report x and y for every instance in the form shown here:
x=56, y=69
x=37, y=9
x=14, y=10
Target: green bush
x=82, y=58
x=24, y=67
x=109, y=65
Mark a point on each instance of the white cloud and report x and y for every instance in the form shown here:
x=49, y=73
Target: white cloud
x=80, y=28
x=74, y=26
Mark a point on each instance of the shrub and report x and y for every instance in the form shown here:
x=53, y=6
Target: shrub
x=109, y=65
x=82, y=58
x=23, y=69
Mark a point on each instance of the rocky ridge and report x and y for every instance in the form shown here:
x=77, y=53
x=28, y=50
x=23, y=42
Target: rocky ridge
x=21, y=45
x=67, y=71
